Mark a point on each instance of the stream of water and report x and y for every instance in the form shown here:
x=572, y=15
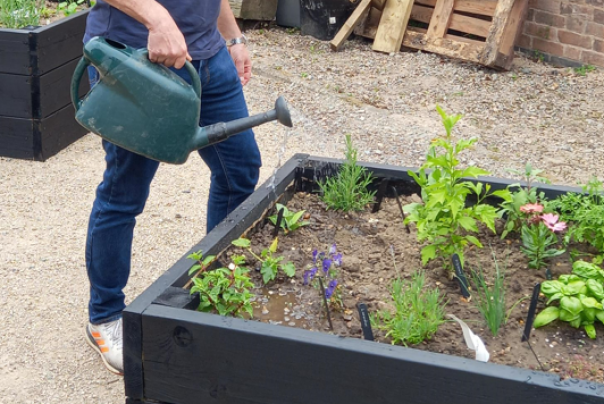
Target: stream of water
x=299, y=121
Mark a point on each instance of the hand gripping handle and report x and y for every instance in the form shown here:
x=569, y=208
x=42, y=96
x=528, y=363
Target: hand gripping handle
x=195, y=81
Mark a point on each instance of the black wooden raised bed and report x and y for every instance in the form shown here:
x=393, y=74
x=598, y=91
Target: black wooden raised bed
x=176, y=355
x=36, y=116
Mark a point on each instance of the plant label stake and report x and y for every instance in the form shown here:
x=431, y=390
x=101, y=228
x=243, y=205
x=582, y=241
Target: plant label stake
x=326, y=304
x=461, y=278
x=379, y=196
x=400, y=207
x=529, y=322
x=278, y=223
x=365, y=321
x=530, y=317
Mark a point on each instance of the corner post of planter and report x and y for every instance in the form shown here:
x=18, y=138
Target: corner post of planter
x=133, y=352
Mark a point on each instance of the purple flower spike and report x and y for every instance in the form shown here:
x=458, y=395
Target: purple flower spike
x=337, y=259
x=332, y=249
x=331, y=288
x=314, y=256
x=326, y=265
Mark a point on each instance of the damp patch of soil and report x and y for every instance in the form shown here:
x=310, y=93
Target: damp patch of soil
x=376, y=247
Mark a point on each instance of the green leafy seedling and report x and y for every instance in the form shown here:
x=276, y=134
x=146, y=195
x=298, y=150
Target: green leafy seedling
x=270, y=264
x=222, y=290
x=291, y=220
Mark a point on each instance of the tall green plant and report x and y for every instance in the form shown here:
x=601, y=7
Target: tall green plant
x=443, y=220
x=19, y=13
x=347, y=190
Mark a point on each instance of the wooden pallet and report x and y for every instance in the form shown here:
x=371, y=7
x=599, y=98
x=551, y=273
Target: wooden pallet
x=480, y=31
x=259, y=10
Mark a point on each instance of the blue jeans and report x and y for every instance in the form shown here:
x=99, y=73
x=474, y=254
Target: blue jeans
x=121, y=196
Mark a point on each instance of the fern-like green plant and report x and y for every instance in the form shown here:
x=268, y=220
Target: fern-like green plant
x=347, y=191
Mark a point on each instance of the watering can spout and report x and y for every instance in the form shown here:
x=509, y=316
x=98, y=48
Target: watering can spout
x=218, y=132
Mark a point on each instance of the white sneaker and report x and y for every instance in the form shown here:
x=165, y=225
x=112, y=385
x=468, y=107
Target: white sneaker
x=107, y=340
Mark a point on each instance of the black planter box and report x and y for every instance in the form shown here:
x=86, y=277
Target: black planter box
x=173, y=354
x=36, y=116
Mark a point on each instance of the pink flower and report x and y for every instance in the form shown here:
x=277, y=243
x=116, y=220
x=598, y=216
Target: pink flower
x=552, y=223
x=532, y=208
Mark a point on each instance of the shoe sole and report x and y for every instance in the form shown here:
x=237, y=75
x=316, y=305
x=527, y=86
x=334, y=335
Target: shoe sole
x=93, y=345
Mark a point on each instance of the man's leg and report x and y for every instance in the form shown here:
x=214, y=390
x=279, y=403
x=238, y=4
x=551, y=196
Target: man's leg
x=120, y=197
x=234, y=163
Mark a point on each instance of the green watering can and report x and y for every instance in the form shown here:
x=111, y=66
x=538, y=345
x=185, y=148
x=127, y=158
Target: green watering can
x=147, y=109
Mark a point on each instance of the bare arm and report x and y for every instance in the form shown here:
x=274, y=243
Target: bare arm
x=227, y=25
x=166, y=43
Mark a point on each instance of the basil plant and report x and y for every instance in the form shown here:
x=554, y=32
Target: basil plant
x=580, y=296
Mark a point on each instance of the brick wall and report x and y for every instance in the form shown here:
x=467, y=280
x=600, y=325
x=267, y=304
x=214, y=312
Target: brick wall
x=565, y=31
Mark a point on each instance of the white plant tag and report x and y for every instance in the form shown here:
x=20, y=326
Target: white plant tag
x=473, y=341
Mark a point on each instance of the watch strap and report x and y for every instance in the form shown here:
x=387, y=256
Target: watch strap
x=235, y=41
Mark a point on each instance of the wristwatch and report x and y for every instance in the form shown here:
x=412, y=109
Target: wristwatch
x=242, y=39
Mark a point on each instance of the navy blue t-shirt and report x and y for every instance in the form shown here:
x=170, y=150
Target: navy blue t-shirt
x=195, y=18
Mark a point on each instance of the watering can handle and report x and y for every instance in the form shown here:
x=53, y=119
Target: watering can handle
x=84, y=63
x=75, y=82
x=196, y=82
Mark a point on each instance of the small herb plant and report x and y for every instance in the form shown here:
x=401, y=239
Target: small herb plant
x=539, y=235
x=489, y=298
x=444, y=220
x=19, y=13
x=418, y=311
x=291, y=220
x=223, y=290
x=328, y=264
x=69, y=7
x=579, y=296
x=583, y=70
x=347, y=190
x=520, y=196
x=270, y=263
x=585, y=213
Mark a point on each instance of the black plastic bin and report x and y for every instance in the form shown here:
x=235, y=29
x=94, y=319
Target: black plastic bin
x=323, y=19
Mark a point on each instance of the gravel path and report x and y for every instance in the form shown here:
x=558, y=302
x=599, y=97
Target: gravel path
x=550, y=117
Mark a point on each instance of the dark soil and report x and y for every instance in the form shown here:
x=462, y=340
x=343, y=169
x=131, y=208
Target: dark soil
x=368, y=241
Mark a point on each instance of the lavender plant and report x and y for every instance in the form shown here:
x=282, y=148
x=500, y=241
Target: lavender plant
x=270, y=263
x=348, y=189
x=419, y=311
x=325, y=266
